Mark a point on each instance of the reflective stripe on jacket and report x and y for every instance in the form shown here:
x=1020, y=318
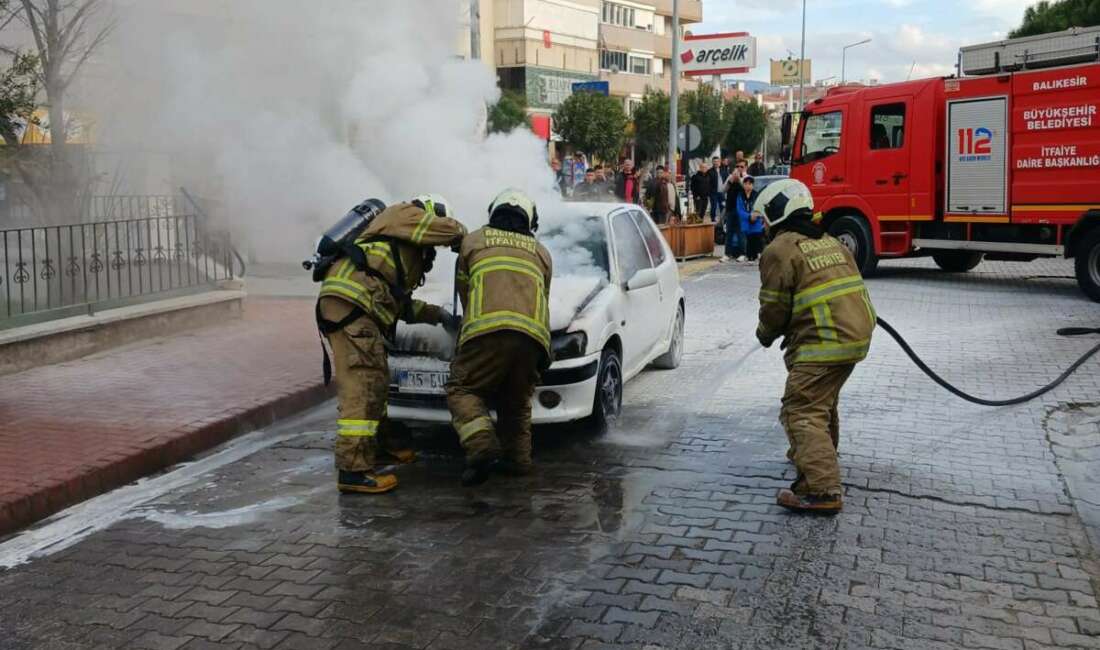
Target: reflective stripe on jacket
x=504, y=280
x=813, y=295
x=402, y=229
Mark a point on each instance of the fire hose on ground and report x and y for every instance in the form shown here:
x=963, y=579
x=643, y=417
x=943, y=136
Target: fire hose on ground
x=1065, y=331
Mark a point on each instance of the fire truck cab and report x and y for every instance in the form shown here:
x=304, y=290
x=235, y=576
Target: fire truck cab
x=1002, y=165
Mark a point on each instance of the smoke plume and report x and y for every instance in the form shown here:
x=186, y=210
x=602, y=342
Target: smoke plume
x=290, y=112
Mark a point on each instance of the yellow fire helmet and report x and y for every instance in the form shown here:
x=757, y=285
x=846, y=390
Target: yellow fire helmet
x=433, y=203
x=518, y=202
x=781, y=199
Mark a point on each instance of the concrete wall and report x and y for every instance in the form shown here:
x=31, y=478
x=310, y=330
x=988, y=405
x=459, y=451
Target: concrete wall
x=71, y=338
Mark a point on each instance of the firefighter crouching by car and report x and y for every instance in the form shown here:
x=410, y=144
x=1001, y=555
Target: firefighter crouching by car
x=813, y=296
x=504, y=280
x=359, y=305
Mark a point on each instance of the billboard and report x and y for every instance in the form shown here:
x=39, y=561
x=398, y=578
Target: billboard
x=715, y=54
x=785, y=72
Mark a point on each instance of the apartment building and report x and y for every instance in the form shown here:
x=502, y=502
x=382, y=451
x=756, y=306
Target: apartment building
x=635, y=46
x=542, y=47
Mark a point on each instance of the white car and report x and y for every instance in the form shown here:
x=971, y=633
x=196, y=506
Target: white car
x=616, y=306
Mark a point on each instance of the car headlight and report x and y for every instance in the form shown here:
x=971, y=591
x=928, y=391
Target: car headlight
x=569, y=346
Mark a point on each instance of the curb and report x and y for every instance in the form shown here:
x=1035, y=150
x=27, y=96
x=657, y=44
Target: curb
x=39, y=501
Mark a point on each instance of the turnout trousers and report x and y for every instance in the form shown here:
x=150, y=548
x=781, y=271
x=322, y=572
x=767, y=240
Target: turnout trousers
x=362, y=374
x=809, y=416
x=497, y=371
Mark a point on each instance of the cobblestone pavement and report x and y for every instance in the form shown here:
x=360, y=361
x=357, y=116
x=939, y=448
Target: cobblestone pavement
x=958, y=530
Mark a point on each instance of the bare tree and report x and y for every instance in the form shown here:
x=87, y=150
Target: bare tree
x=66, y=34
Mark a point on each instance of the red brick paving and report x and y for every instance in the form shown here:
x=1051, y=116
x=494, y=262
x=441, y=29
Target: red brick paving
x=73, y=430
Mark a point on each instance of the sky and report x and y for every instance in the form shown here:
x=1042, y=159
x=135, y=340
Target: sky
x=918, y=37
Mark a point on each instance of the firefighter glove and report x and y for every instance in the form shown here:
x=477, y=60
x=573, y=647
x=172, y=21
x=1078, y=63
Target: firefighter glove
x=450, y=322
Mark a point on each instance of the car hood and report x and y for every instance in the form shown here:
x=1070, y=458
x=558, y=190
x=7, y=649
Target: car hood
x=569, y=297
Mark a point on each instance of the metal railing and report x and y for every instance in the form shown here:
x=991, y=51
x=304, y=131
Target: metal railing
x=57, y=271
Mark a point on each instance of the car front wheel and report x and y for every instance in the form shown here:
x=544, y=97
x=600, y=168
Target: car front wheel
x=607, y=403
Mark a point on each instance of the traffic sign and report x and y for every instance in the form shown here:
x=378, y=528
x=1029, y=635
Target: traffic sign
x=688, y=138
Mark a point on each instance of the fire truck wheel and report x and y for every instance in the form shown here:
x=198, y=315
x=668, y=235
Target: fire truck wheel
x=1087, y=265
x=854, y=233
x=957, y=261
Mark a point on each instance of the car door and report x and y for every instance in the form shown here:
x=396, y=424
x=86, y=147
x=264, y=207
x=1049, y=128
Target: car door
x=631, y=256
x=884, y=181
x=668, y=279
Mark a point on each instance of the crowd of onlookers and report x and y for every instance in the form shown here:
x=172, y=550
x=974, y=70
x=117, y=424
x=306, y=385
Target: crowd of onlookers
x=722, y=187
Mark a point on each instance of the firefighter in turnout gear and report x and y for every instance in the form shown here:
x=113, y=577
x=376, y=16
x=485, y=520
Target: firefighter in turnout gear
x=362, y=297
x=504, y=344
x=813, y=296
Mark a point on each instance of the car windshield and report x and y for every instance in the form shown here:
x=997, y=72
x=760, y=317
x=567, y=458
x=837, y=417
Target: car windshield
x=578, y=248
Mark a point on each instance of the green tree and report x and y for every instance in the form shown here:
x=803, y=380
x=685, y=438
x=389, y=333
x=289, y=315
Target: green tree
x=651, y=126
x=510, y=112
x=704, y=108
x=593, y=123
x=19, y=89
x=1045, y=17
x=747, y=123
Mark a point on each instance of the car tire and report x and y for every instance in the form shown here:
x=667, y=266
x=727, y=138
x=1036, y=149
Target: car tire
x=957, y=261
x=670, y=360
x=1087, y=265
x=854, y=233
x=607, y=402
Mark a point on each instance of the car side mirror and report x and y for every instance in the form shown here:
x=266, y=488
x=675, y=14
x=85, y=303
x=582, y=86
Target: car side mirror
x=641, y=279
x=785, y=127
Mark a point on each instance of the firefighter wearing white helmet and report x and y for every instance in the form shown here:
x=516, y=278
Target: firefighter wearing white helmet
x=812, y=296
x=362, y=297
x=503, y=279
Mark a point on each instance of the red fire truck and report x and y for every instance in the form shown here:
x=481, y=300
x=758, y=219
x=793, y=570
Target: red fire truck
x=1001, y=161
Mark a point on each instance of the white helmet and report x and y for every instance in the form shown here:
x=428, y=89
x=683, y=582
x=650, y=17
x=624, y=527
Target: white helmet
x=781, y=199
x=433, y=203
x=518, y=202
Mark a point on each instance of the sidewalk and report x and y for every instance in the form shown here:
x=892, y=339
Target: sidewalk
x=74, y=430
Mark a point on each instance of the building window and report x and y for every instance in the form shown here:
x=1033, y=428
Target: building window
x=612, y=60
x=616, y=14
x=632, y=104
x=622, y=62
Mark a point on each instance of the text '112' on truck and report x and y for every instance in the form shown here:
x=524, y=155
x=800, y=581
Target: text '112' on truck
x=1001, y=161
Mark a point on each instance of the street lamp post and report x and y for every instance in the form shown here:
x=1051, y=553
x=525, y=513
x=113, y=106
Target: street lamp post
x=674, y=95
x=844, y=55
x=802, y=61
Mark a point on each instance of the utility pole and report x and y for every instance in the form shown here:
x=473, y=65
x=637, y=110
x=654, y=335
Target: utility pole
x=674, y=96
x=802, y=62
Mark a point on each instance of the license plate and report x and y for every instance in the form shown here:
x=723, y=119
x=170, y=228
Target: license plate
x=422, y=381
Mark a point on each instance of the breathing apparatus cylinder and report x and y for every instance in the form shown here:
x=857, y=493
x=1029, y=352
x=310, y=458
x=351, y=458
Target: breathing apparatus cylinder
x=344, y=232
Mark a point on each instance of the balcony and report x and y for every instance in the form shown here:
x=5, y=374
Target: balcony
x=615, y=37
x=691, y=11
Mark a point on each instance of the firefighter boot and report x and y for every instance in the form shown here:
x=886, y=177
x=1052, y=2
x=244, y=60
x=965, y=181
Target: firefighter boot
x=478, y=469
x=391, y=447
x=826, y=504
x=365, y=482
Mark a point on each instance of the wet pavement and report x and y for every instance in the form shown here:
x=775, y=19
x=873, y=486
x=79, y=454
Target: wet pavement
x=964, y=526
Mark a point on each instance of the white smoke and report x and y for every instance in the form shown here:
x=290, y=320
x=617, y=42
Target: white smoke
x=290, y=112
